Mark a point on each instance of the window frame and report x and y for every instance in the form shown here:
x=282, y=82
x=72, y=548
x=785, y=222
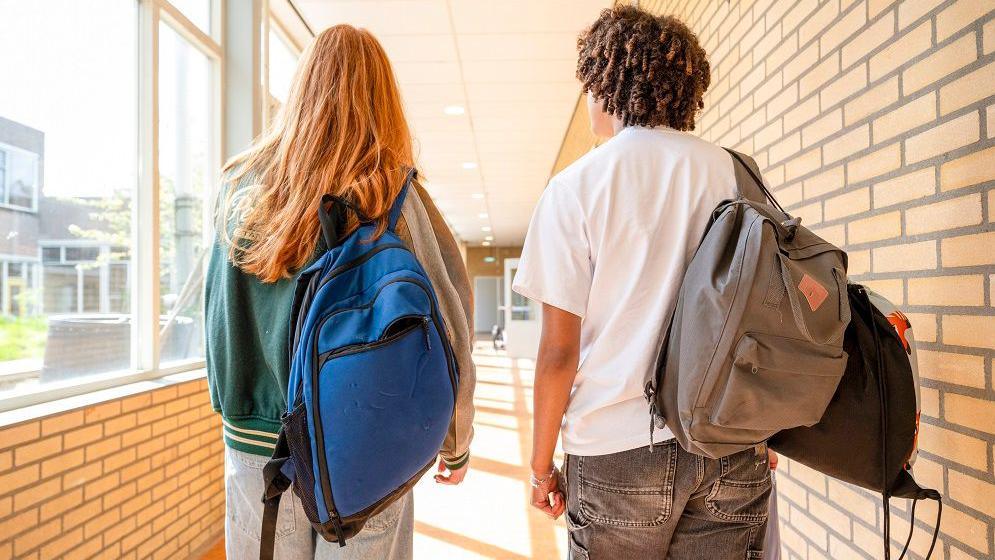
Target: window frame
x=144, y=267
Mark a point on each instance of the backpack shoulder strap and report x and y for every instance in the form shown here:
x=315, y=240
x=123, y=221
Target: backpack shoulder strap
x=748, y=181
x=277, y=477
x=395, y=210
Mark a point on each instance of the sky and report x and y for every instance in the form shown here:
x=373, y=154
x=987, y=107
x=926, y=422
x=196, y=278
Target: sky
x=69, y=69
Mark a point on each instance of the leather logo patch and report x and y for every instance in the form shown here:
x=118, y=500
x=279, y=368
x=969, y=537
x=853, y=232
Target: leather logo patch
x=813, y=291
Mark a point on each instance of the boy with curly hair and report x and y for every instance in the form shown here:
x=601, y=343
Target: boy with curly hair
x=606, y=252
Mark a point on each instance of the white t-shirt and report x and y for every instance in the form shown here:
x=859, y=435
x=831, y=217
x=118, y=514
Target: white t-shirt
x=610, y=241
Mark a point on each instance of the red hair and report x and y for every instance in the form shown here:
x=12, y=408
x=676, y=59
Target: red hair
x=341, y=132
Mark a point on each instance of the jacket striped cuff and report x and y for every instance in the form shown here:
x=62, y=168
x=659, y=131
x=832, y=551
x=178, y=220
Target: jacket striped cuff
x=458, y=462
x=251, y=435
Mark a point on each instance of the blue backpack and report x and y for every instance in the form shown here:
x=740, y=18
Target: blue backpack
x=372, y=380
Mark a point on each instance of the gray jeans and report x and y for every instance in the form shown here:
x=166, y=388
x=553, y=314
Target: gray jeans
x=388, y=535
x=668, y=504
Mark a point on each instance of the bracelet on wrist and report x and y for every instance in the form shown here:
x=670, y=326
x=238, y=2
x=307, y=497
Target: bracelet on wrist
x=537, y=482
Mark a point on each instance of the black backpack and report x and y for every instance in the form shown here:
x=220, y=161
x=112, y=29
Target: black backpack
x=867, y=435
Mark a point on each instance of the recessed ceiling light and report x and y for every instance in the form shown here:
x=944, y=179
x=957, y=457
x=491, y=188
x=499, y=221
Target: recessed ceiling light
x=469, y=165
x=477, y=195
x=482, y=215
x=489, y=238
x=454, y=110
x=485, y=228
x=486, y=243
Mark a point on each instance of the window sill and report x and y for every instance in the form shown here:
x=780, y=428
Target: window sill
x=18, y=208
x=95, y=396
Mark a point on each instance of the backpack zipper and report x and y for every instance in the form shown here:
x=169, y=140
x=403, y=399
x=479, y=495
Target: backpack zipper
x=358, y=261
x=422, y=323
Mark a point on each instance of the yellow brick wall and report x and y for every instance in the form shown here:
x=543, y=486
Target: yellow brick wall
x=135, y=477
x=874, y=120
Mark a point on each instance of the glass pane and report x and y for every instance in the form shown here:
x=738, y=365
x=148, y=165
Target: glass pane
x=82, y=254
x=282, y=64
x=117, y=282
x=68, y=139
x=186, y=171
x=521, y=307
x=3, y=174
x=21, y=178
x=91, y=288
x=60, y=288
x=197, y=11
x=51, y=254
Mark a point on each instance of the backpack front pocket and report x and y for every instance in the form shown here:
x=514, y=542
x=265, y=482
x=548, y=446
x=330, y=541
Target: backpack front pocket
x=385, y=408
x=776, y=383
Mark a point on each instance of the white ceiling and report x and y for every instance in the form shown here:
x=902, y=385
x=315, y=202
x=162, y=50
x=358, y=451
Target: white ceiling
x=509, y=64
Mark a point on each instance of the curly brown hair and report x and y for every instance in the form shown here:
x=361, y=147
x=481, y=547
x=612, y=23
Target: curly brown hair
x=647, y=70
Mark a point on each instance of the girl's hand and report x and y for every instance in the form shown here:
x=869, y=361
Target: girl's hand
x=454, y=477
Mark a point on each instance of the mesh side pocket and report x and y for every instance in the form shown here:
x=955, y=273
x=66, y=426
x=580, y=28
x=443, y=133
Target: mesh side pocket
x=299, y=442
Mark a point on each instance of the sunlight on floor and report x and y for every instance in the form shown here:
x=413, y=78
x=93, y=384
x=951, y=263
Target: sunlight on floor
x=488, y=515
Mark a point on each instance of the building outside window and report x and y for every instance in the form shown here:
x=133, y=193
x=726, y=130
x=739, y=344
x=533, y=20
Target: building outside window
x=69, y=149
x=110, y=146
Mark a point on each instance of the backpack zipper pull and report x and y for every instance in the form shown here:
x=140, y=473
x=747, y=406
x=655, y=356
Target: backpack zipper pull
x=428, y=336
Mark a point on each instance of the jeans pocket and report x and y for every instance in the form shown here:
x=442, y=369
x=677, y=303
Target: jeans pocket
x=386, y=518
x=629, y=489
x=740, y=502
x=574, y=523
x=750, y=465
x=577, y=552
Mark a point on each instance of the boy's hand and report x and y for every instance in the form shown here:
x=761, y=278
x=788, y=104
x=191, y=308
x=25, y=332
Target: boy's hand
x=454, y=477
x=772, y=459
x=548, y=498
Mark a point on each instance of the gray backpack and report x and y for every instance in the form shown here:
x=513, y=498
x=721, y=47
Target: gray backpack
x=755, y=344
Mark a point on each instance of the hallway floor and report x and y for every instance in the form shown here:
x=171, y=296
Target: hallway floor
x=487, y=517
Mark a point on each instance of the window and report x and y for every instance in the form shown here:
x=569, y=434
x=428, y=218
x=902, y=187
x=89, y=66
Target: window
x=116, y=102
x=282, y=64
x=197, y=11
x=82, y=276
x=522, y=308
x=18, y=177
x=68, y=175
x=186, y=174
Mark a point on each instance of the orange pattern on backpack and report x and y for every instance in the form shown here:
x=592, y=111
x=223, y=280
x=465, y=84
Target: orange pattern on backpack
x=901, y=324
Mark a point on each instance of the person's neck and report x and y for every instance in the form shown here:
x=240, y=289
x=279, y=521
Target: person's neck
x=617, y=126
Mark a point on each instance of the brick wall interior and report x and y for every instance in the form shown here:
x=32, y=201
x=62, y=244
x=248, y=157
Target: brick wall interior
x=136, y=477
x=874, y=120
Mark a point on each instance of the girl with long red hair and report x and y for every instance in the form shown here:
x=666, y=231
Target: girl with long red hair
x=342, y=132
